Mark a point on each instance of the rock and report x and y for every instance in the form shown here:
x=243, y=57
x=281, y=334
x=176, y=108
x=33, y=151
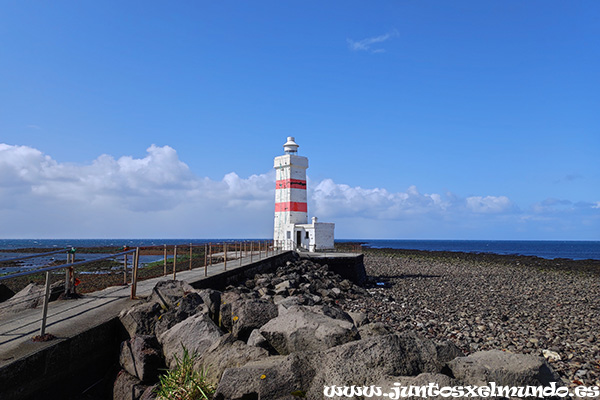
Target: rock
x=258, y=340
x=249, y=315
x=141, y=357
x=551, y=356
x=402, y=384
x=150, y=393
x=227, y=352
x=302, y=329
x=141, y=319
x=374, y=329
x=363, y=362
x=359, y=318
x=186, y=306
x=168, y=292
x=196, y=334
x=277, y=377
x=503, y=368
x=212, y=299
x=31, y=296
x=225, y=317
x=128, y=387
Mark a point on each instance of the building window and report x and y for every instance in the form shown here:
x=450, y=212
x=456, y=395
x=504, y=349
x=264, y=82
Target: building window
x=289, y=234
x=306, y=235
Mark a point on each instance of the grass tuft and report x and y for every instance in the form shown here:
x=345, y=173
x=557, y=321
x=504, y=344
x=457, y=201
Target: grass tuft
x=183, y=382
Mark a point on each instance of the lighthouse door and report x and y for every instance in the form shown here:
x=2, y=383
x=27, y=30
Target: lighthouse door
x=298, y=239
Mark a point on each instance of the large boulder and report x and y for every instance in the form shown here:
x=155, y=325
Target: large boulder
x=142, y=358
x=248, y=315
x=365, y=361
x=302, y=329
x=409, y=387
x=185, y=306
x=503, y=368
x=227, y=352
x=141, y=319
x=31, y=296
x=128, y=387
x=277, y=377
x=195, y=334
x=168, y=292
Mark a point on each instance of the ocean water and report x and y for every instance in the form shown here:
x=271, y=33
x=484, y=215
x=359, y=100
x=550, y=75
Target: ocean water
x=577, y=250
x=550, y=249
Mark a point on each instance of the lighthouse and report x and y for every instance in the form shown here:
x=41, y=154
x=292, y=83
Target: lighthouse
x=292, y=230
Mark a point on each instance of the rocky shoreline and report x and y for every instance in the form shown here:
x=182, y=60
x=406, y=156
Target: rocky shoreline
x=522, y=304
x=287, y=334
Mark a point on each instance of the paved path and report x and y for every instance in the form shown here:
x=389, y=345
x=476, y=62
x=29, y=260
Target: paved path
x=67, y=318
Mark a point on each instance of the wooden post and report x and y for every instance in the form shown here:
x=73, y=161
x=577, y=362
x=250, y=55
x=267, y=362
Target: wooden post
x=165, y=266
x=259, y=249
x=240, y=244
x=225, y=256
x=190, y=256
x=210, y=254
x=175, y=262
x=68, y=276
x=46, y=299
x=251, y=250
x=136, y=262
x=205, y=260
x=125, y=270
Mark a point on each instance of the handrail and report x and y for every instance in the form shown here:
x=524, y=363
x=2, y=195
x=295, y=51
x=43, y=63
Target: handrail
x=45, y=269
x=33, y=256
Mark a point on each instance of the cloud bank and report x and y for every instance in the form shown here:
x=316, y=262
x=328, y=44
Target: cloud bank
x=159, y=196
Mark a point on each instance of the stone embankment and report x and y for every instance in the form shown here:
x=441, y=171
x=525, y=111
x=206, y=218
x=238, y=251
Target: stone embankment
x=285, y=335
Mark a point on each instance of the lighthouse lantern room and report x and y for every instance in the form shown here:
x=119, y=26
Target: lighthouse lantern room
x=292, y=230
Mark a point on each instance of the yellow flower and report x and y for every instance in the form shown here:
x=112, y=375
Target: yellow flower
x=263, y=376
x=235, y=318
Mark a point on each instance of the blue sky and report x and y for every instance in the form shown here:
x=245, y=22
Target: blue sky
x=421, y=119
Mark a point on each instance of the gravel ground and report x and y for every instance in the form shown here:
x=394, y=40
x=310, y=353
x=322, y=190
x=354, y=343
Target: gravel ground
x=483, y=302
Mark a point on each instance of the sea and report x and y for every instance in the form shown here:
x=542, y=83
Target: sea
x=550, y=249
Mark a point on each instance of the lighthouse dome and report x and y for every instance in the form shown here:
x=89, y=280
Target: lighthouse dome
x=290, y=146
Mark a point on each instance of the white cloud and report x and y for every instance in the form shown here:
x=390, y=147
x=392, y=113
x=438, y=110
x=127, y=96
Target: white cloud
x=489, y=204
x=367, y=44
x=159, y=196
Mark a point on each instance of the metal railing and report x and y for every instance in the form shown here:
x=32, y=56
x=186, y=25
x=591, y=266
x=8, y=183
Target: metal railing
x=225, y=252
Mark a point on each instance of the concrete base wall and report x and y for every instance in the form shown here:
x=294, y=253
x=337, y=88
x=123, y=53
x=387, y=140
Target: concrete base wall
x=65, y=370
x=348, y=266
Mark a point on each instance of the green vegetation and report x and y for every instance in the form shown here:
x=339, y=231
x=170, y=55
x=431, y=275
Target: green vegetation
x=183, y=382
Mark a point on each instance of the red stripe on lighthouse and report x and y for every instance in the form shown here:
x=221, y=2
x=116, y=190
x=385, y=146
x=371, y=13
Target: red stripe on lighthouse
x=291, y=206
x=290, y=184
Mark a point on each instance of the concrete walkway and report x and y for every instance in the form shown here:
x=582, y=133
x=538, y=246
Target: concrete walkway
x=68, y=318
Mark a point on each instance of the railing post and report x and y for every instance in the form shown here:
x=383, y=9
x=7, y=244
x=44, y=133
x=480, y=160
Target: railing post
x=205, y=260
x=136, y=262
x=210, y=254
x=225, y=256
x=175, y=262
x=190, y=256
x=251, y=250
x=165, y=266
x=45, y=310
x=125, y=270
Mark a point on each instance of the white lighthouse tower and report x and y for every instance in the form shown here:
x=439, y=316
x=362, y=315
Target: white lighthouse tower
x=292, y=230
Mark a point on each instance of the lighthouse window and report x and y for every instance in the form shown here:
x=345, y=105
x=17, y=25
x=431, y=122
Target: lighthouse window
x=306, y=235
x=289, y=234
